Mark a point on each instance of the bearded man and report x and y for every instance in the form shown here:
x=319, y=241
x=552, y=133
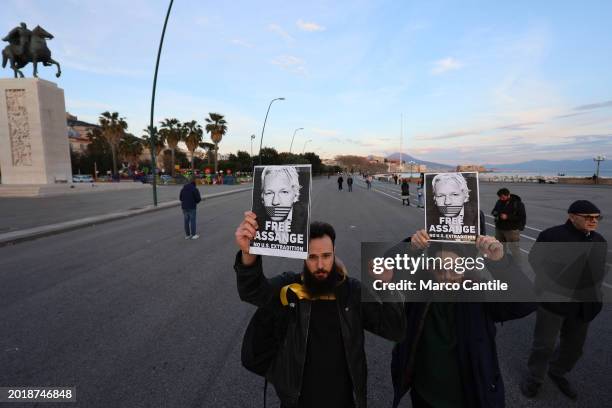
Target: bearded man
x=322, y=360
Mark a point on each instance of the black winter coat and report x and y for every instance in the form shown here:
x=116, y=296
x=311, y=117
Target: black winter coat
x=481, y=378
x=189, y=196
x=580, y=266
x=514, y=209
x=285, y=374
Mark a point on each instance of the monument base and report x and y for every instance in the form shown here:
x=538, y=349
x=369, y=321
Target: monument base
x=34, y=147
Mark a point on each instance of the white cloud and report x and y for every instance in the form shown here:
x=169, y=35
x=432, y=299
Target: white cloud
x=242, y=43
x=306, y=26
x=275, y=28
x=446, y=64
x=290, y=63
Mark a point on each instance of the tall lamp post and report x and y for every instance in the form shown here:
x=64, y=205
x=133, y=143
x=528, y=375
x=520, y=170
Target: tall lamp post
x=291, y=147
x=264, y=126
x=153, y=135
x=598, y=159
x=305, y=143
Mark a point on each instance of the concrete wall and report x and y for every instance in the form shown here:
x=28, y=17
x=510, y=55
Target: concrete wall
x=34, y=147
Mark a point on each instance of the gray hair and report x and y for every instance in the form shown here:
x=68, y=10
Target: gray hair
x=454, y=177
x=288, y=171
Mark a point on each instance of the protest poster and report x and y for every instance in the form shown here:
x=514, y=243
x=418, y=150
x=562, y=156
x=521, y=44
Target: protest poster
x=452, y=206
x=281, y=202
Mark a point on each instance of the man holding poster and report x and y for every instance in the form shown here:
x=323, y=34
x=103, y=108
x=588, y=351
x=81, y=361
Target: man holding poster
x=281, y=200
x=452, y=206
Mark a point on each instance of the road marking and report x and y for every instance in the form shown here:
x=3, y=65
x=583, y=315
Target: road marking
x=526, y=226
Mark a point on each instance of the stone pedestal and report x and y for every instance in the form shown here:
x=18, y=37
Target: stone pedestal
x=34, y=147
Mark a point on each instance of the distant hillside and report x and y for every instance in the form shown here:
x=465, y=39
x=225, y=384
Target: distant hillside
x=586, y=165
x=430, y=165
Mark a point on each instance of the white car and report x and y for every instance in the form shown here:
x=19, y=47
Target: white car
x=82, y=178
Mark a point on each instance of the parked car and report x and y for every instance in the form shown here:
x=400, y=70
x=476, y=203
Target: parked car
x=166, y=178
x=82, y=178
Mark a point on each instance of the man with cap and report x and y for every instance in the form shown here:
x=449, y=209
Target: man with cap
x=569, y=259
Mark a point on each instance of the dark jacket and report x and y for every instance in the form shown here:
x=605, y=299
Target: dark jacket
x=405, y=189
x=189, y=196
x=476, y=349
x=384, y=319
x=515, y=209
x=576, y=269
x=349, y=181
x=340, y=180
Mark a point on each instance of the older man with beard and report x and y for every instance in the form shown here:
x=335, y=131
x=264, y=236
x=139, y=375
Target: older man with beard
x=322, y=362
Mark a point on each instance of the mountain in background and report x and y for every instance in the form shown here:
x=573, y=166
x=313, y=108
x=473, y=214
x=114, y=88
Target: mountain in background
x=556, y=166
x=430, y=165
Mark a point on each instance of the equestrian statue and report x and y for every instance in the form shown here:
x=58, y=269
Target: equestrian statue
x=27, y=46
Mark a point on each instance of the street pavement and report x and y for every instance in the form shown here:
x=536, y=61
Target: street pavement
x=27, y=212
x=133, y=315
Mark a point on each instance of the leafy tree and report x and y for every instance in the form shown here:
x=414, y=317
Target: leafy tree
x=174, y=133
x=217, y=127
x=113, y=129
x=193, y=138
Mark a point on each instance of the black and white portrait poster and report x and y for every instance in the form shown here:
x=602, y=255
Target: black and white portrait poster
x=452, y=206
x=281, y=201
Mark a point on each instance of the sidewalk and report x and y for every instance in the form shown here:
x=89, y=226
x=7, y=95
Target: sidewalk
x=29, y=218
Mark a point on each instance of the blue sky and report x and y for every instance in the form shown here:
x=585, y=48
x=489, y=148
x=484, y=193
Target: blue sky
x=475, y=81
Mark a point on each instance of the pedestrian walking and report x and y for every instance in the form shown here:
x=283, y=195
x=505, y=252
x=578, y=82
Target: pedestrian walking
x=405, y=192
x=340, y=181
x=369, y=182
x=349, y=182
x=578, y=264
x=510, y=220
x=190, y=197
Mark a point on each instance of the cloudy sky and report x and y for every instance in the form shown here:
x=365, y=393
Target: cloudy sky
x=475, y=81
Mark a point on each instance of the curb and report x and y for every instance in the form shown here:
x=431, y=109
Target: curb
x=28, y=234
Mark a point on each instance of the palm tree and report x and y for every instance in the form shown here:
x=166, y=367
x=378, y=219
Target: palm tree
x=174, y=134
x=113, y=129
x=193, y=138
x=160, y=140
x=208, y=147
x=131, y=148
x=217, y=127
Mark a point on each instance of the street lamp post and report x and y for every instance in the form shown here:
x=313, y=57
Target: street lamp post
x=305, y=143
x=264, y=126
x=252, y=138
x=291, y=147
x=153, y=135
x=598, y=159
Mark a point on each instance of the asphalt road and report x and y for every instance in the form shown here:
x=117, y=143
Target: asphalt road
x=132, y=315
x=17, y=213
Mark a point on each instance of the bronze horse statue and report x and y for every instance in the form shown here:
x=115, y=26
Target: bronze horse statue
x=33, y=50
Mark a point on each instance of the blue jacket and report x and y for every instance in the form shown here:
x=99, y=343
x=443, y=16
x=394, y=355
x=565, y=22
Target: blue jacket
x=190, y=196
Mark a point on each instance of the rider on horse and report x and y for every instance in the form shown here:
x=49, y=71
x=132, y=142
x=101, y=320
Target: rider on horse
x=19, y=38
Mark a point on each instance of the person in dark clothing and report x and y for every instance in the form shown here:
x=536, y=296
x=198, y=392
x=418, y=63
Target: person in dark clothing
x=405, y=192
x=340, y=181
x=322, y=362
x=510, y=220
x=349, y=182
x=449, y=356
x=190, y=197
x=578, y=265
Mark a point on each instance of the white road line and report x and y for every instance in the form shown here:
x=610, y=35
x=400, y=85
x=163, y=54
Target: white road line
x=388, y=195
x=526, y=226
